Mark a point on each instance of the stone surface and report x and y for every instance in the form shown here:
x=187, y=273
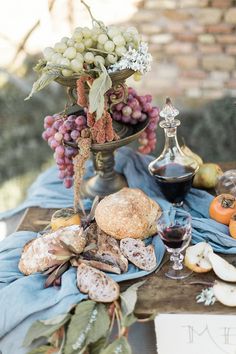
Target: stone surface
x=231, y=49
x=219, y=28
x=210, y=49
x=221, y=3
x=161, y=4
x=178, y=48
x=206, y=38
x=230, y=16
x=186, y=61
x=226, y=38
x=192, y=3
x=161, y=38
x=220, y=62
x=209, y=16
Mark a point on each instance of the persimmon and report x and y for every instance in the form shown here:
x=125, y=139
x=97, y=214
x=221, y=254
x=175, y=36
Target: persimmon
x=64, y=217
x=222, y=207
x=232, y=225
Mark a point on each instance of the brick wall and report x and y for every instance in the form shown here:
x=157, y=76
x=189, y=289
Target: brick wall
x=193, y=43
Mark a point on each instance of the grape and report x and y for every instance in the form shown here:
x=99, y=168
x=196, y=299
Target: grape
x=119, y=40
x=58, y=132
x=68, y=182
x=86, y=32
x=112, y=58
x=58, y=136
x=138, y=109
x=121, y=50
x=89, y=57
x=56, y=58
x=76, y=65
x=70, y=43
x=78, y=36
x=48, y=121
x=109, y=46
x=80, y=47
x=66, y=72
x=65, y=61
x=113, y=31
x=60, y=47
x=64, y=39
x=70, y=53
x=99, y=59
x=47, y=53
x=102, y=38
x=88, y=42
x=127, y=111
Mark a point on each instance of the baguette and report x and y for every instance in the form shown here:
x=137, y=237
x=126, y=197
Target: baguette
x=96, y=284
x=137, y=253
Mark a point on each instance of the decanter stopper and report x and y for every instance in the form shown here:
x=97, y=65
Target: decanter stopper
x=169, y=112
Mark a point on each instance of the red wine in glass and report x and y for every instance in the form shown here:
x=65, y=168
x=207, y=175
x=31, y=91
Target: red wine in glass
x=174, y=237
x=175, y=181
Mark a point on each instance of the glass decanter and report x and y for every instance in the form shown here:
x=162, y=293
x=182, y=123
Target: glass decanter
x=173, y=170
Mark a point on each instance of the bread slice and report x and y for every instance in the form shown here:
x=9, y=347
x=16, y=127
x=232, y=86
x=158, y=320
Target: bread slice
x=36, y=256
x=96, y=284
x=138, y=254
x=128, y=213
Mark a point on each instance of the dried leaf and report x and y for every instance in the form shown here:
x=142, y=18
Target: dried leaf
x=45, y=328
x=62, y=268
x=89, y=323
x=45, y=79
x=120, y=345
x=97, y=91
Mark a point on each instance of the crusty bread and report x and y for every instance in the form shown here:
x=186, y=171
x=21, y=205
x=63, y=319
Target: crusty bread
x=128, y=213
x=96, y=284
x=136, y=252
x=36, y=256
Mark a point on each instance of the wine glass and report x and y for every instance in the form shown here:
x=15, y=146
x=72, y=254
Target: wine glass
x=174, y=228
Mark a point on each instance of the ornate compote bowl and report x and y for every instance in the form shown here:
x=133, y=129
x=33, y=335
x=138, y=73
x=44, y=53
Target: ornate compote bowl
x=106, y=179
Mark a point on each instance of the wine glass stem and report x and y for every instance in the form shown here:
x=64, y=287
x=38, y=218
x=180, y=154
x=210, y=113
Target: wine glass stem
x=177, y=259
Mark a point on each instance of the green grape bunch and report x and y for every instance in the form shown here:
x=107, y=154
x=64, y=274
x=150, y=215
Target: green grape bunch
x=88, y=48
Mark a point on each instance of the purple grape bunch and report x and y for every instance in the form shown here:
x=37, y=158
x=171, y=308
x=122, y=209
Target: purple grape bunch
x=138, y=109
x=60, y=130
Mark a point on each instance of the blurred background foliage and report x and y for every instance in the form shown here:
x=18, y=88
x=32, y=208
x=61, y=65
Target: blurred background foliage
x=208, y=128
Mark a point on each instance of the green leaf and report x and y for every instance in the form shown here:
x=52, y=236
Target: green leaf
x=45, y=328
x=45, y=349
x=129, y=298
x=97, y=91
x=96, y=347
x=128, y=320
x=45, y=79
x=89, y=323
x=120, y=345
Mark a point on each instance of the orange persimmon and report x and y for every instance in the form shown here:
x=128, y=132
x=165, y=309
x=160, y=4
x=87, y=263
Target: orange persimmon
x=232, y=225
x=64, y=217
x=222, y=207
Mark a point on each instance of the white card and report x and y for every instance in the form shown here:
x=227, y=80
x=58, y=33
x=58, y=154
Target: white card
x=195, y=334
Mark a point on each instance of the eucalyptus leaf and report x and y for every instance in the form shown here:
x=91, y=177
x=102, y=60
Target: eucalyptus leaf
x=120, y=345
x=45, y=349
x=97, y=91
x=128, y=320
x=89, y=323
x=45, y=328
x=95, y=348
x=129, y=298
x=45, y=79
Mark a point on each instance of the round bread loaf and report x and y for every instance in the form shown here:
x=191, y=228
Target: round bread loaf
x=128, y=213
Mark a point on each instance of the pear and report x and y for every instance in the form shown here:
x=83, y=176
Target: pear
x=196, y=257
x=187, y=151
x=223, y=269
x=225, y=293
x=207, y=176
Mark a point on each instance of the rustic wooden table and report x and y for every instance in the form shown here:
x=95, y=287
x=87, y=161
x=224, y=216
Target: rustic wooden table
x=159, y=294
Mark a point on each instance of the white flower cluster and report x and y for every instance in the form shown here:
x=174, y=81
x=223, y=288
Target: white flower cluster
x=137, y=60
x=206, y=296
